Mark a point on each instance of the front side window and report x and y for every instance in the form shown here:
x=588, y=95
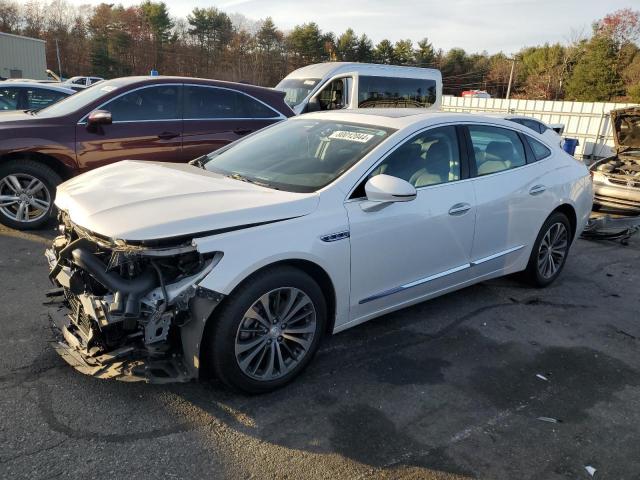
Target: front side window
x=151, y=103
x=385, y=92
x=9, y=99
x=429, y=158
x=219, y=103
x=38, y=98
x=496, y=149
x=297, y=155
x=334, y=96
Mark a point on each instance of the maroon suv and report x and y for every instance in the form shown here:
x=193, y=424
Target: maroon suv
x=171, y=119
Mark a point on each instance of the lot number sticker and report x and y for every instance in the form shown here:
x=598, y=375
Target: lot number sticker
x=351, y=136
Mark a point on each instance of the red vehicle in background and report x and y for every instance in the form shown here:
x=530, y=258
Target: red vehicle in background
x=476, y=94
x=173, y=119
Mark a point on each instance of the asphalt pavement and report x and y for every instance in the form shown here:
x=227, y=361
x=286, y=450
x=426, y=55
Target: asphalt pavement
x=497, y=381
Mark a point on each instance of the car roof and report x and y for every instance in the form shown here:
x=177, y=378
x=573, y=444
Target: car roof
x=321, y=70
x=399, y=118
x=44, y=86
x=159, y=79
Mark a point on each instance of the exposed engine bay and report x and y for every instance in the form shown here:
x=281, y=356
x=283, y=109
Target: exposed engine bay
x=123, y=308
x=626, y=167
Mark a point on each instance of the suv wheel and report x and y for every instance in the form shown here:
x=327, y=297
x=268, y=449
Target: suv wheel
x=267, y=331
x=27, y=192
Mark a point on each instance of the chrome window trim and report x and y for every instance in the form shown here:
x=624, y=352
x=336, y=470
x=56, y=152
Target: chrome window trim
x=279, y=115
x=83, y=120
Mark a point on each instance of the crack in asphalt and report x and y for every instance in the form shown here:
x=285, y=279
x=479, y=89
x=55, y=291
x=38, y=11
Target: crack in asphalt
x=32, y=452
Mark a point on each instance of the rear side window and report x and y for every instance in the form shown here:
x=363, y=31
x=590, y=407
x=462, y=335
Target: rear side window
x=540, y=151
x=218, y=103
x=532, y=124
x=496, y=149
x=395, y=92
x=151, y=103
x=39, y=97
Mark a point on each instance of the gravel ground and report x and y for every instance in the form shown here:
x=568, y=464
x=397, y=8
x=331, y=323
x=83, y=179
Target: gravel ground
x=447, y=389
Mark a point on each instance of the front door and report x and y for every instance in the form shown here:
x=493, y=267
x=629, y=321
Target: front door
x=147, y=125
x=215, y=117
x=406, y=251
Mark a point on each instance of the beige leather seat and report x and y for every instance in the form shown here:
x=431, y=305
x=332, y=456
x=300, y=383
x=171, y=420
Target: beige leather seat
x=437, y=167
x=497, y=157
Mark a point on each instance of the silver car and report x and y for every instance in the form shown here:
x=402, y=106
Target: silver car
x=616, y=179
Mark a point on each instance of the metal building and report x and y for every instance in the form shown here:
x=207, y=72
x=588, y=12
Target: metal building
x=22, y=57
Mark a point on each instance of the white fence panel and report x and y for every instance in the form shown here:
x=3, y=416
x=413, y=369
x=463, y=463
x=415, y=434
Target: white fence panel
x=589, y=122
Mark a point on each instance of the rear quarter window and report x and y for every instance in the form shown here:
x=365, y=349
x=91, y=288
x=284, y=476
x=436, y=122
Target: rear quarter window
x=540, y=151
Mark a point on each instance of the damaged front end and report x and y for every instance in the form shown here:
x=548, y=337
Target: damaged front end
x=129, y=310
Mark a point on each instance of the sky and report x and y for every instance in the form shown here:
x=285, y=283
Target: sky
x=475, y=25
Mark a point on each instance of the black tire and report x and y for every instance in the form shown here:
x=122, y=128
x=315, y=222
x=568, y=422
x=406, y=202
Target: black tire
x=533, y=274
x=44, y=174
x=220, y=339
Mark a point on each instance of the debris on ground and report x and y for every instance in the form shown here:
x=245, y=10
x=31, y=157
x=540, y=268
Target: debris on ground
x=590, y=470
x=607, y=227
x=549, y=419
x=542, y=377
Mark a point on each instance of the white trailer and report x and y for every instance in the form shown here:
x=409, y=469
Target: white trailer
x=22, y=57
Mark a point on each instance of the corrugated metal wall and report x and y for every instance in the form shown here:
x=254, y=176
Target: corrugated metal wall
x=22, y=54
x=589, y=122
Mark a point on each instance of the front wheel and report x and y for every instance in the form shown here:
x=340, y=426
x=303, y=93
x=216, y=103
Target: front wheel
x=27, y=192
x=267, y=331
x=550, y=251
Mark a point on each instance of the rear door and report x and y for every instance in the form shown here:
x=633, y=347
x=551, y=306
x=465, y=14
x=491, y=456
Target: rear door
x=147, y=125
x=216, y=116
x=511, y=200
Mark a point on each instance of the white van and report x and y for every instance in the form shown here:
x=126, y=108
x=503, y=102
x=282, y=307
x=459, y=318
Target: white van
x=338, y=85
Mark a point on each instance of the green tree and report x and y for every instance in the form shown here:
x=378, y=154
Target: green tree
x=425, y=54
x=307, y=44
x=212, y=31
x=347, y=46
x=384, y=52
x=403, y=52
x=364, y=49
x=595, y=77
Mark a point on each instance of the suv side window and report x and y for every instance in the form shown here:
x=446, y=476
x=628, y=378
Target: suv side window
x=9, y=98
x=496, y=149
x=202, y=102
x=429, y=158
x=387, y=92
x=159, y=102
x=40, y=97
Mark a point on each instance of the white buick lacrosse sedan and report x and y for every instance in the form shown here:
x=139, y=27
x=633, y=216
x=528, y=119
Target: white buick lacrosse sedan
x=240, y=262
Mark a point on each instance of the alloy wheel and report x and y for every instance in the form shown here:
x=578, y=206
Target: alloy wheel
x=275, y=334
x=553, y=250
x=24, y=198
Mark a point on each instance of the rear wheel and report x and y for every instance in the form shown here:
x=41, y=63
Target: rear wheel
x=267, y=331
x=27, y=192
x=550, y=250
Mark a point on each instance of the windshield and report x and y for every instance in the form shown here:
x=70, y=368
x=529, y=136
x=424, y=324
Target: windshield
x=82, y=98
x=297, y=89
x=297, y=155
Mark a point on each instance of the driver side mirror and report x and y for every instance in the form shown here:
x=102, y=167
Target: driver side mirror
x=99, y=117
x=387, y=189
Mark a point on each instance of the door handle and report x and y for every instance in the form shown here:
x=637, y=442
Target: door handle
x=242, y=131
x=168, y=135
x=459, y=209
x=537, y=189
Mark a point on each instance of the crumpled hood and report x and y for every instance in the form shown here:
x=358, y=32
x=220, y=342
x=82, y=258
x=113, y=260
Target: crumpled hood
x=135, y=200
x=626, y=127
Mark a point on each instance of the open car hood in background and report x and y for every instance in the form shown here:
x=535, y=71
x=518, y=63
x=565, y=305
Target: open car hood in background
x=626, y=127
